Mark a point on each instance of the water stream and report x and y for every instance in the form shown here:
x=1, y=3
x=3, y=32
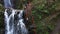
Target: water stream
x=14, y=22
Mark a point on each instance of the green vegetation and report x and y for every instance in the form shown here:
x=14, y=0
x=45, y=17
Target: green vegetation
x=46, y=15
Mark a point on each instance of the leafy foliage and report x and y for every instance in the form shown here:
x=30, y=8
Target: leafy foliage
x=42, y=9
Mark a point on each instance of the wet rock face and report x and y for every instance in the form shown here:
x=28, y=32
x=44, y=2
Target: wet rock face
x=16, y=22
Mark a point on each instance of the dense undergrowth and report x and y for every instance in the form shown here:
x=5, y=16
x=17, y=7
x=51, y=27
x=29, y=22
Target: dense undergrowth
x=45, y=12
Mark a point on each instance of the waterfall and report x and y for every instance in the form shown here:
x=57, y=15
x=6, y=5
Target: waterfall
x=9, y=22
x=8, y=3
x=22, y=25
x=14, y=22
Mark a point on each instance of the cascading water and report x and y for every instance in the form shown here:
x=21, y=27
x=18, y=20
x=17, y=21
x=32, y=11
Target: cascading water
x=22, y=25
x=14, y=21
x=14, y=25
x=8, y=3
x=9, y=22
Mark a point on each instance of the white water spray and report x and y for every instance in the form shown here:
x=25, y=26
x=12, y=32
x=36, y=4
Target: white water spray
x=10, y=27
x=7, y=22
